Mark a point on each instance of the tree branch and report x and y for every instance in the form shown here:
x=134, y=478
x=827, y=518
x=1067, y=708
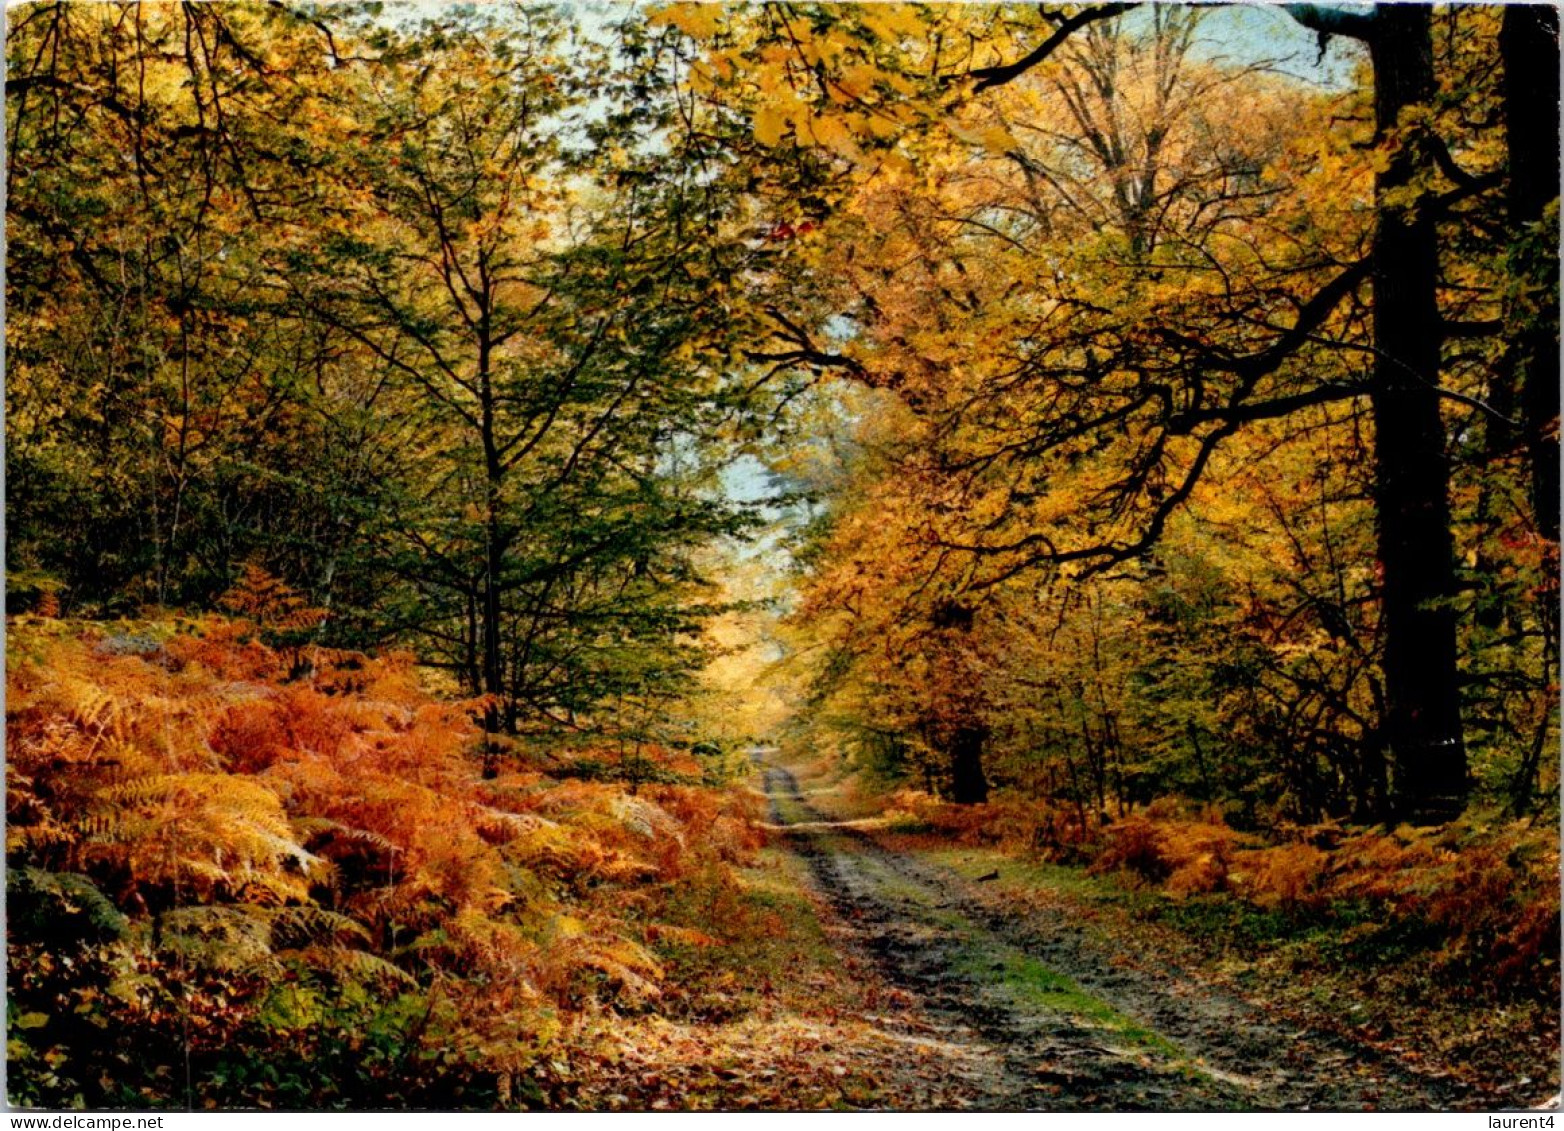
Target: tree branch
x=1185, y=422
x=997, y=76
x=1329, y=21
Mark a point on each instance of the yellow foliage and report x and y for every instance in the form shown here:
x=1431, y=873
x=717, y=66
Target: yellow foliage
x=770, y=124
x=698, y=21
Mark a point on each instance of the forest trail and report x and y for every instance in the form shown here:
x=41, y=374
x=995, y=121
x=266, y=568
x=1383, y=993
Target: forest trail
x=1037, y=1013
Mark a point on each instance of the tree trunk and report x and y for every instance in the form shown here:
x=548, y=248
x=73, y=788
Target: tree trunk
x=493, y=560
x=1529, y=47
x=968, y=783
x=493, y=665
x=1416, y=551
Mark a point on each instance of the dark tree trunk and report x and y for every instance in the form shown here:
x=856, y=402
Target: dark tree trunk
x=494, y=564
x=952, y=622
x=493, y=664
x=1416, y=551
x=968, y=783
x=493, y=559
x=1529, y=47
x=470, y=643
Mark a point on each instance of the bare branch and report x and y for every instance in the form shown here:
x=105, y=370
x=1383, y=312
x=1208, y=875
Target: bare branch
x=997, y=76
x=1328, y=21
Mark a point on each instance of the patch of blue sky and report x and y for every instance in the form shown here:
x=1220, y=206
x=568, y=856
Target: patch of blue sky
x=1251, y=34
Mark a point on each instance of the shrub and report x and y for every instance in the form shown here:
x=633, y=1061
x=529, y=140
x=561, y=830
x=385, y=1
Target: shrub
x=313, y=894
x=1286, y=877
x=1135, y=845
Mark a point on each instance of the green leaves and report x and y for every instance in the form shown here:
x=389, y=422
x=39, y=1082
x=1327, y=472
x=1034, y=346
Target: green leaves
x=64, y=908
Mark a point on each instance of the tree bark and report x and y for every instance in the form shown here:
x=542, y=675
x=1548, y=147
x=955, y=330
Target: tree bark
x=493, y=556
x=968, y=782
x=1412, y=474
x=1529, y=49
x=1416, y=550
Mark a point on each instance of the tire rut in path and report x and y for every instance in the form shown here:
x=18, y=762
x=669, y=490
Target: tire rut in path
x=1002, y=992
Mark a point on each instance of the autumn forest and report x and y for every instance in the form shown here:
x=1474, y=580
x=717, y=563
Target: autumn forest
x=782, y=556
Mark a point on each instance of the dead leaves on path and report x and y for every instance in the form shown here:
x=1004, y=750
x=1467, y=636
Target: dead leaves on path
x=781, y=1063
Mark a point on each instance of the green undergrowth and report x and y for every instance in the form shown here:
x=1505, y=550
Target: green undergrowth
x=793, y=812
x=1035, y=984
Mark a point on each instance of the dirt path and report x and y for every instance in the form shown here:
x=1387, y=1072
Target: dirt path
x=1036, y=1014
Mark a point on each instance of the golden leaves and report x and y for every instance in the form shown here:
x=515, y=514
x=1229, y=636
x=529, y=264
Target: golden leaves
x=770, y=124
x=891, y=23
x=993, y=138
x=698, y=21
x=835, y=134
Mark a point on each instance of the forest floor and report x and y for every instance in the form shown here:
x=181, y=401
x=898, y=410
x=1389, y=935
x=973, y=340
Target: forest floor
x=905, y=975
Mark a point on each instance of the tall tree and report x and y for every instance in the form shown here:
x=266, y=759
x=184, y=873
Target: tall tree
x=1412, y=474
x=536, y=290
x=1151, y=379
